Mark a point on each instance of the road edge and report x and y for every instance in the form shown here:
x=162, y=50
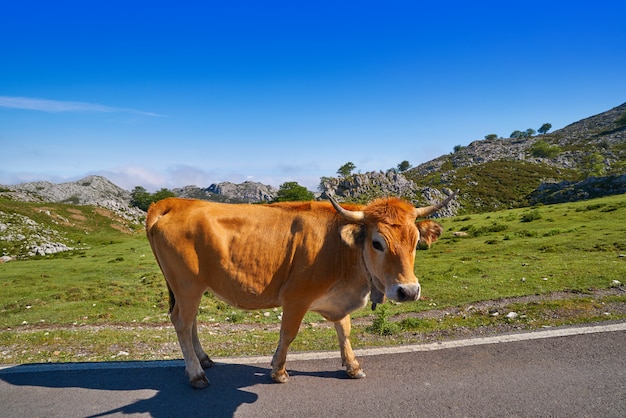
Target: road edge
x=321, y=355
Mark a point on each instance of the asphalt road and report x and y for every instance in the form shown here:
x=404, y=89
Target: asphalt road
x=572, y=372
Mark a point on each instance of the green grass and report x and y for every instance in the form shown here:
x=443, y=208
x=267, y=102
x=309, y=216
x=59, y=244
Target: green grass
x=531, y=251
x=497, y=184
x=110, y=297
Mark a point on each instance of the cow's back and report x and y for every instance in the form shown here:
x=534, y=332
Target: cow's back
x=244, y=253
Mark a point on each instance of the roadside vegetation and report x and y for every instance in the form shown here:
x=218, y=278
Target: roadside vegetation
x=515, y=269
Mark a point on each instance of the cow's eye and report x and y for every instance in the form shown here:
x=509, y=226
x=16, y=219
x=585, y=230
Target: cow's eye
x=377, y=245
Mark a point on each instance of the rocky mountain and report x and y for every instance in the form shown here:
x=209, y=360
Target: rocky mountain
x=604, y=134
x=362, y=188
x=91, y=190
x=246, y=192
x=509, y=172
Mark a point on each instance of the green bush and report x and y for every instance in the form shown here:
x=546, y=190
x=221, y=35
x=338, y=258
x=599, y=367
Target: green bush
x=380, y=324
x=541, y=149
x=291, y=191
x=533, y=215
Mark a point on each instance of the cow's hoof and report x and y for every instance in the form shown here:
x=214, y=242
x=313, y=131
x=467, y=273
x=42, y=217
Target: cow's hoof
x=280, y=377
x=206, y=363
x=358, y=374
x=200, y=382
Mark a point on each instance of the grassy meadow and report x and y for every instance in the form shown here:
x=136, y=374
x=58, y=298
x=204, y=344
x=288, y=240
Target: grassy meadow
x=107, y=299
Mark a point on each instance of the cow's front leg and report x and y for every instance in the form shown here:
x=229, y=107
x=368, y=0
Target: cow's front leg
x=289, y=326
x=343, y=328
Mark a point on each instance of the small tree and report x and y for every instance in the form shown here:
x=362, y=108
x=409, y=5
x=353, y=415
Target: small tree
x=291, y=191
x=491, y=137
x=593, y=165
x=528, y=133
x=545, y=128
x=162, y=194
x=140, y=198
x=458, y=148
x=403, y=166
x=346, y=169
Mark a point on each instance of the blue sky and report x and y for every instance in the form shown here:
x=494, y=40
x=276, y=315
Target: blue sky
x=167, y=94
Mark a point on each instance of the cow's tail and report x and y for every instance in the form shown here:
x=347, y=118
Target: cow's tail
x=155, y=211
x=172, y=298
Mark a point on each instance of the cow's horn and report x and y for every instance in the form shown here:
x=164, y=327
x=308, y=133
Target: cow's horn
x=351, y=215
x=425, y=211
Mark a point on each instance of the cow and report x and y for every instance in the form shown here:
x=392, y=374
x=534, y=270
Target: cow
x=304, y=256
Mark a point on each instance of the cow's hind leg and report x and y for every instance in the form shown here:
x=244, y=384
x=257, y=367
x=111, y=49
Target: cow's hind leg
x=205, y=361
x=343, y=328
x=184, y=320
x=289, y=327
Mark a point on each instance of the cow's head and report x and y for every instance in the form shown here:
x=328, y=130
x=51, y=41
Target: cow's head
x=388, y=234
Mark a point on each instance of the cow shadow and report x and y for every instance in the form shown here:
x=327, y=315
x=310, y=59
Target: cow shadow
x=174, y=397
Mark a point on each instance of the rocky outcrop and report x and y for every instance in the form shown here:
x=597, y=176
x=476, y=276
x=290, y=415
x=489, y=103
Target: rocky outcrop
x=362, y=188
x=564, y=191
x=27, y=238
x=91, y=190
x=247, y=191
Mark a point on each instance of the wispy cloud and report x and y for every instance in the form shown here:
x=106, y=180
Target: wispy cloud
x=45, y=105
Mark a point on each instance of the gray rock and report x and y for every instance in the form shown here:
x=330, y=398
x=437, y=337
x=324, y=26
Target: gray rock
x=363, y=188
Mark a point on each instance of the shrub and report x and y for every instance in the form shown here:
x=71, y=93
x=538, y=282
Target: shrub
x=380, y=324
x=533, y=215
x=410, y=324
x=527, y=233
x=541, y=149
x=621, y=120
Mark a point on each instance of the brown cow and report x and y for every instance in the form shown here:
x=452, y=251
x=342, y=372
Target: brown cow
x=304, y=256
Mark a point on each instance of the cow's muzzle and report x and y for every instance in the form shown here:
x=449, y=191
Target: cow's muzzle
x=404, y=292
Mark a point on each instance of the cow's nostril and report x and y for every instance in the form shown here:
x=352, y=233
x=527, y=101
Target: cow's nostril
x=407, y=293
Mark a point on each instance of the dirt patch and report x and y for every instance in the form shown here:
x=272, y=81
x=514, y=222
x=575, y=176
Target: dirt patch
x=122, y=228
x=104, y=212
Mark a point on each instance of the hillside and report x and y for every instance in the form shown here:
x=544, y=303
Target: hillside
x=91, y=190
x=507, y=172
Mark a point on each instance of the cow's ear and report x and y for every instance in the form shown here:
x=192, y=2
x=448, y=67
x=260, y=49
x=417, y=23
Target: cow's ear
x=352, y=234
x=429, y=231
